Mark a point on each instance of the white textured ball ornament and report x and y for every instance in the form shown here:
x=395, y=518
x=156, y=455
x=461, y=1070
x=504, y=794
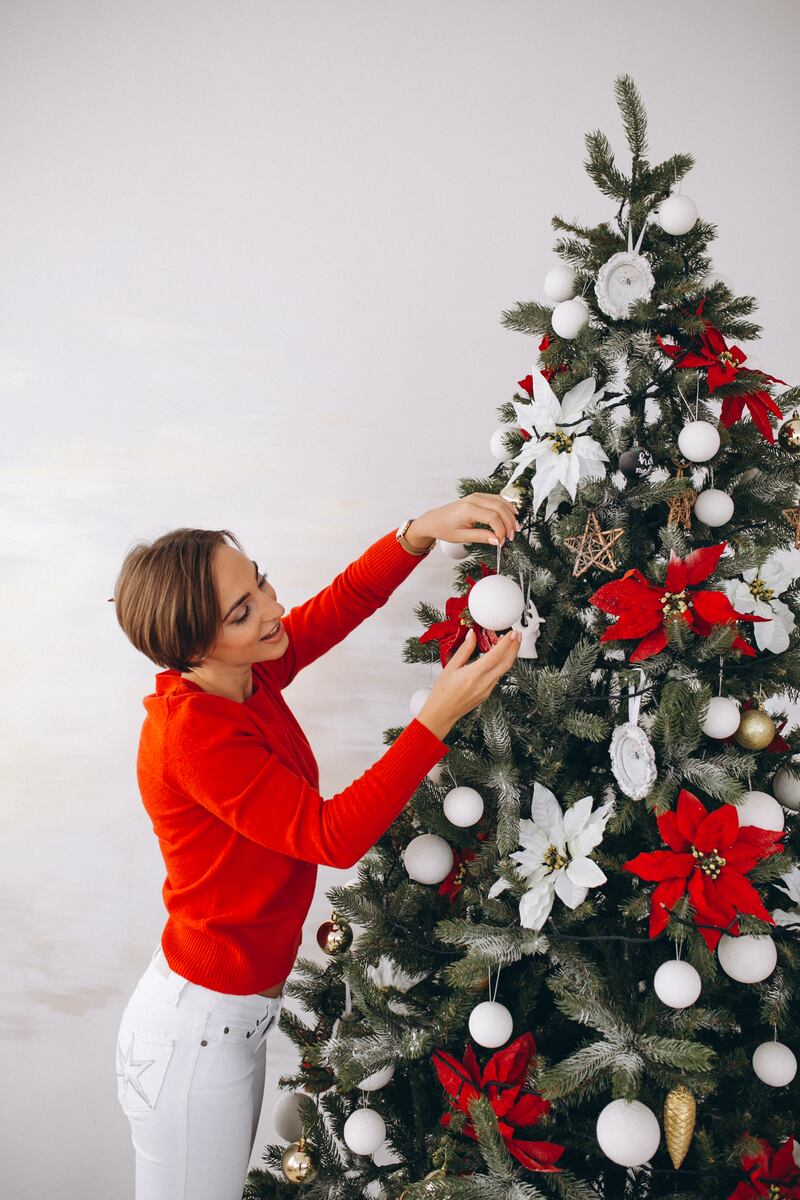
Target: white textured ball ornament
x=628, y=1132
x=774, y=1064
x=722, y=718
x=454, y=550
x=749, y=958
x=497, y=447
x=713, y=277
x=496, y=602
x=760, y=809
x=491, y=1024
x=428, y=858
x=463, y=806
x=418, y=699
x=378, y=1079
x=560, y=283
x=677, y=984
x=286, y=1117
x=677, y=215
x=713, y=507
x=364, y=1131
x=787, y=790
x=698, y=441
x=569, y=318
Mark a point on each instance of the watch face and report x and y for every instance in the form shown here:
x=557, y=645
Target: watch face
x=624, y=278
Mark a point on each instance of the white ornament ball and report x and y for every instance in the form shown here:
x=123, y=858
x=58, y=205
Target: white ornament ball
x=560, y=283
x=418, y=700
x=377, y=1079
x=677, y=984
x=463, y=806
x=364, y=1131
x=713, y=507
x=787, y=790
x=722, y=718
x=774, y=1064
x=496, y=602
x=713, y=277
x=748, y=958
x=436, y=773
x=628, y=1132
x=454, y=550
x=497, y=447
x=569, y=318
x=491, y=1024
x=760, y=809
x=428, y=858
x=677, y=214
x=286, y=1117
x=698, y=441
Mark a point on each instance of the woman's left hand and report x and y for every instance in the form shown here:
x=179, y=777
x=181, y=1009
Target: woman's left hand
x=456, y=522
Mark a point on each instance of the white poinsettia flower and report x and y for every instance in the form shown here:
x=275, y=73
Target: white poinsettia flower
x=554, y=859
x=791, y=880
x=757, y=592
x=560, y=449
x=387, y=974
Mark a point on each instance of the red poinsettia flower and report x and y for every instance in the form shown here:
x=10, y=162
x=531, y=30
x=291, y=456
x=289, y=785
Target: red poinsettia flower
x=451, y=632
x=452, y=884
x=778, y=745
x=759, y=405
x=643, y=607
x=708, y=857
x=502, y=1081
x=772, y=1173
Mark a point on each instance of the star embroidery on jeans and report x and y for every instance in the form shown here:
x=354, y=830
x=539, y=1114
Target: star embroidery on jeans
x=130, y=1069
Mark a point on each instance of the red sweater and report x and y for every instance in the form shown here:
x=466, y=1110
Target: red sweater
x=231, y=790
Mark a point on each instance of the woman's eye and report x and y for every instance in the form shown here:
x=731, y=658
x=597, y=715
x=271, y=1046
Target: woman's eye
x=246, y=614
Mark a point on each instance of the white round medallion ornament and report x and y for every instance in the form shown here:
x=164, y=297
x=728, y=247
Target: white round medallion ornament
x=286, y=1117
x=497, y=447
x=454, y=550
x=377, y=1079
x=624, y=278
x=677, y=214
x=787, y=790
x=569, y=318
x=628, y=1132
x=761, y=810
x=418, y=699
x=560, y=283
x=774, y=1064
x=463, y=806
x=677, y=984
x=748, y=958
x=713, y=507
x=364, y=1131
x=633, y=759
x=496, y=602
x=698, y=441
x=491, y=1024
x=428, y=858
x=721, y=719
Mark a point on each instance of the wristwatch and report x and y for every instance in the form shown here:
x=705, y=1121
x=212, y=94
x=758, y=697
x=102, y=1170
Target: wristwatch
x=401, y=537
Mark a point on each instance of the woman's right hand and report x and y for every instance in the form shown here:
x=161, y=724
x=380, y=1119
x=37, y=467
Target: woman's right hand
x=463, y=685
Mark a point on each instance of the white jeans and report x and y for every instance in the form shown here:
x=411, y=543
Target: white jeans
x=190, y=1080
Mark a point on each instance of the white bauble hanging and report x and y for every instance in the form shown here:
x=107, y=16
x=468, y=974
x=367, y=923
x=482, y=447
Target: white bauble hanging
x=722, y=718
x=418, y=699
x=569, y=318
x=436, y=773
x=760, y=809
x=463, y=806
x=497, y=447
x=560, y=283
x=774, y=1064
x=377, y=1079
x=748, y=958
x=496, y=602
x=491, y=1024
x=698, y=441
x=364, y=1131
x=713, y=507
x=454, y=550
x=428, y=858
x=677, y=984
x=787, y=790
x=713, y=277
x=628, y=1132
x=677, y=214
x=286, y=1117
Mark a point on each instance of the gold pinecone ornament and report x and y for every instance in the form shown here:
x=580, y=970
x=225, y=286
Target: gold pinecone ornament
x=335, y=936
x=756, y=729
x=297, y=1164
x=680, y=1110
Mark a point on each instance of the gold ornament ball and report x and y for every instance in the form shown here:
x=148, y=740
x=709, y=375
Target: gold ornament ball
x=756, y=729
x=513, y=492
x=297, y=1164
x=335, y=936
x=680, y=1111
x=789, y=433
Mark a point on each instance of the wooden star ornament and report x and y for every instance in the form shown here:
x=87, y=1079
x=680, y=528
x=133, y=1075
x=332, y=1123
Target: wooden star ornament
x=594, y=547
x=681, y=507
x=792, y=515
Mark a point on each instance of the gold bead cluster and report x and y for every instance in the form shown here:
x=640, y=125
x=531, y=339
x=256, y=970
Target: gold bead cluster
x=710, y=864
x=674, y=602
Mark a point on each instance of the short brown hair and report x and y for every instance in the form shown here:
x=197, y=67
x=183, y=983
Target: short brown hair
x=165, y=597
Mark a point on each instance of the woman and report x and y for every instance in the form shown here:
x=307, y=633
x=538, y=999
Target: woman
x=230, y=784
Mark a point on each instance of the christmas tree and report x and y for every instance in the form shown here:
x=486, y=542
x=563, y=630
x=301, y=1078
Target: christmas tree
x=576, y=968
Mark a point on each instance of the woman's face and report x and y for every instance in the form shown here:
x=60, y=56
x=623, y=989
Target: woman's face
x=250, y=610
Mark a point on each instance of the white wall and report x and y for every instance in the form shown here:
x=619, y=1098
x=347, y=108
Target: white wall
x=253, y=259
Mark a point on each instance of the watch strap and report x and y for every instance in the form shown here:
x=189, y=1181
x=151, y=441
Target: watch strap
x=401, y=537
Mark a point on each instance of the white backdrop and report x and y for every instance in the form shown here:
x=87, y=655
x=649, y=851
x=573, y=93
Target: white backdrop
x=253, y=260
